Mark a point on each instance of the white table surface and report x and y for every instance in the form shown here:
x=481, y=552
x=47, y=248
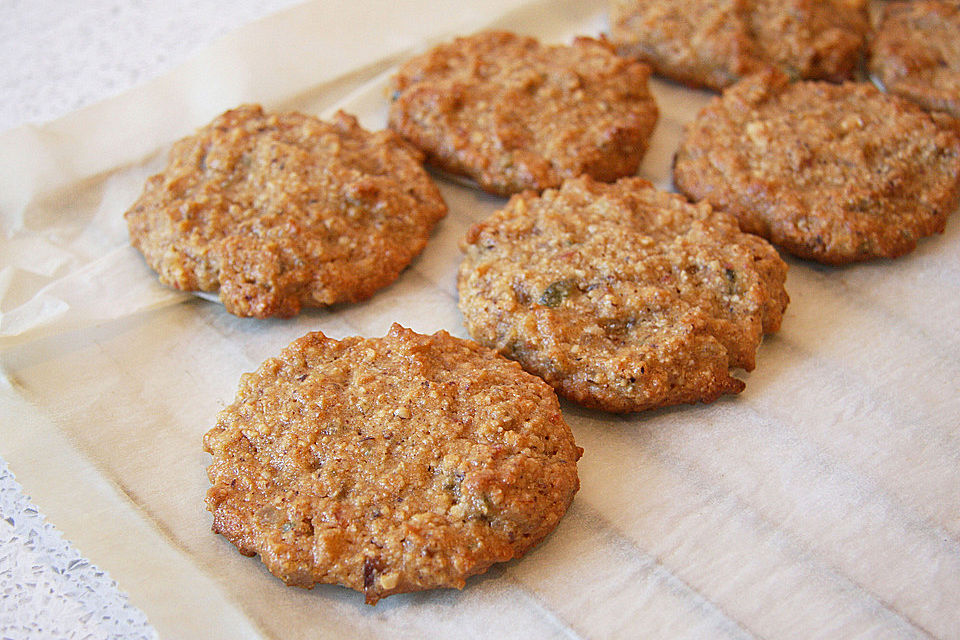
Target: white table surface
x=60, y=56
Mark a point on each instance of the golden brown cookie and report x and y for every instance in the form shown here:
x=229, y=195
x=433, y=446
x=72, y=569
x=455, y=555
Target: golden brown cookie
x=713, y=43
x=389, y=465
x=833, y=173
x=514, y=114
x=282, y=211
x=621, y=296
x=915, y=52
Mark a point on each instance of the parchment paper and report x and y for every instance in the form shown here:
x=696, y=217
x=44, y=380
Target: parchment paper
x=824, y=501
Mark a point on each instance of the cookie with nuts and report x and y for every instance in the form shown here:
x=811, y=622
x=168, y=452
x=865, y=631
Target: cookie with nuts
x=714, y=43
x=914, y=52
x=621, y=296
x=276, y=212
x=389, y=465
x=833, y=173
x=511, y=113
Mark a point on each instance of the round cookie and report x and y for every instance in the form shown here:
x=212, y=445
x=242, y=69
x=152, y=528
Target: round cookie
x=389, y=465
x=914, y=52
x=621, y=296
x=713, y=43
x=282, y=211
x=833, y=173
x=512, y=114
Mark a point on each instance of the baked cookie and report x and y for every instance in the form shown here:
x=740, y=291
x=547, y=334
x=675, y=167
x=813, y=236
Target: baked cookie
x=914, y=53
x=833, y=173
x=713, y=43
x=513, y=114
x=389, y=465
x=278, y=212
x=621, y=296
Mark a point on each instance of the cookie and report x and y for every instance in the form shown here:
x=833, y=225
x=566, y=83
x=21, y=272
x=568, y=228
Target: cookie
x=833, y=173
x=282, y=211
x=914, y=53
x=714, y=43
x=389, y=465
x=512, y=114
x=621, y=296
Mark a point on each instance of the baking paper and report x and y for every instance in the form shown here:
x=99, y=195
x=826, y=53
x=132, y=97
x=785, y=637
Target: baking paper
x=823, y=501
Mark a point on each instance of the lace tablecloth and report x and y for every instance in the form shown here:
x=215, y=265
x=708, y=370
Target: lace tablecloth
x=47, y=588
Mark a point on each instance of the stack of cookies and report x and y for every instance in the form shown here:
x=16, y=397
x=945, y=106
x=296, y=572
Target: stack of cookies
x=412, y=462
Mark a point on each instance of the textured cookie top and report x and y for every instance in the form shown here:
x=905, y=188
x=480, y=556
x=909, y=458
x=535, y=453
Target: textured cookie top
x=915, y=52
x=621, y=296
x=389, y=465
x=713, y=43
x=281, y=211
x=834, y=173
x=513, y=114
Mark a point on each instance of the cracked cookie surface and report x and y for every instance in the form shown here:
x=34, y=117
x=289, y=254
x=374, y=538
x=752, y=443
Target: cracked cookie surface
x=621, y=296
x=275, y=212
x=389, y=465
